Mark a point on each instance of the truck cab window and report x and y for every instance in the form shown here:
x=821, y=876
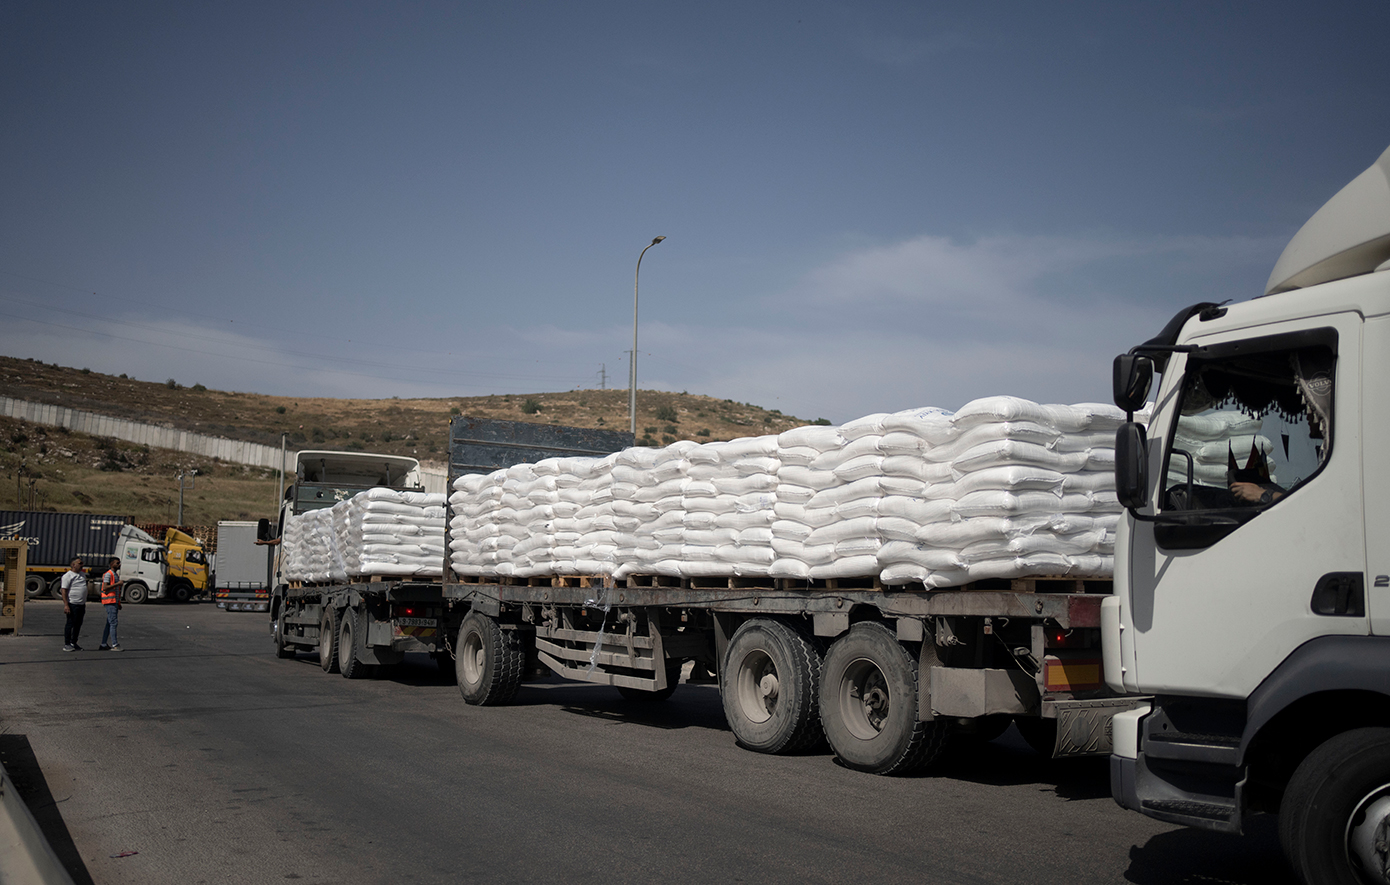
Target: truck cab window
x=1251, y=428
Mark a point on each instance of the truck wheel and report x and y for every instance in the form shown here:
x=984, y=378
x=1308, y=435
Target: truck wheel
x=350, y=642
x=488, y=660
x=182, y=592
x=446, y=666
x=35, y=586
x=981, y=729
x=1041, y=734
x=328, y=640
x=136, y=593
x=771, y=687
x=868, y=704
x=1334, y=820
x=643, y=696
x=277, y=632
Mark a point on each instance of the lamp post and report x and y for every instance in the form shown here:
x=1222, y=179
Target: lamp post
x=632, y=378
x=182, y=487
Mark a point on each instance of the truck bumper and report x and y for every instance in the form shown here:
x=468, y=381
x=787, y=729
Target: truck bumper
x=1177, y=785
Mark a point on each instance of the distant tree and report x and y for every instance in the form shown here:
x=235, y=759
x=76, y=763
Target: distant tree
x=667, y=414
x=822, y=422
x=199, y=388
x=171, y=384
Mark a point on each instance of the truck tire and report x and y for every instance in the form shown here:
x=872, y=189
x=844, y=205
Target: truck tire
x=351, y=641
x=1335, y=815
x=328, y=640
x=488, y=660
x=136, y=593
x=868, y=704
x=770, y=683
x=277, y=632
x=35, y=586
x=1039, y=733
x=644, y=696
x=181, y=592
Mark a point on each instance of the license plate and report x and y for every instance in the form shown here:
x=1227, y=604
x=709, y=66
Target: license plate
x=416, y=622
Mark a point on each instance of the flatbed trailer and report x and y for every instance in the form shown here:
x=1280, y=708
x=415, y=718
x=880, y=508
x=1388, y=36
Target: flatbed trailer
x=885, y=674
x=920, y=664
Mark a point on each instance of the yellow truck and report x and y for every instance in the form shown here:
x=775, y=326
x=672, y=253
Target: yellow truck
x=188, y=565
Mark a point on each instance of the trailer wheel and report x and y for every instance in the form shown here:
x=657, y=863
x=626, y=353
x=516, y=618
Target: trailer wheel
x=488, y=660
x=1334, y=820
x=1040, y=734
x=868, y=704
x=277, y=633
x=771, y=687
x=136, y=593
x=350, y=642
x=35, y=586
x=328, y=640
x=643, y=696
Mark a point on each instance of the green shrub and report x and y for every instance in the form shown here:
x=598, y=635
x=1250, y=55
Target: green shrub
x=821, y=422
x=279, y=410
x=171, y=384
x=199, y=388
x=530, y=407
x=703, y=431
x=667, y=414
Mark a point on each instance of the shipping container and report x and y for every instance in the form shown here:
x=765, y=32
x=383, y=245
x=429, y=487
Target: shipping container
x=56, y=538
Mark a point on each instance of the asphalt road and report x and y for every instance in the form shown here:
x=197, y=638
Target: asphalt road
x=215, y=762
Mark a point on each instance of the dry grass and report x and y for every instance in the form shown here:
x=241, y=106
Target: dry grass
x=417, y=427
x=48, y=468
x=72, y=472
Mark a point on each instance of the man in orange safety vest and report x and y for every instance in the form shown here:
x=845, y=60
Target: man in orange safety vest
x=111, y=601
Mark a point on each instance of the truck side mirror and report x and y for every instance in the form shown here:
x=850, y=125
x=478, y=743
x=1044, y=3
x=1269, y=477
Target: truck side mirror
x=263, y=530
x=1131, y=465
x=1133, y=376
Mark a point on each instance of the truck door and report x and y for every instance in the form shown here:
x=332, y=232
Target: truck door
x=1233, y=583
x=1375, y=439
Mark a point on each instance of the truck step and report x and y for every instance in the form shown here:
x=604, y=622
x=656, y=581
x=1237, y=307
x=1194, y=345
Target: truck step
x=1190, y=809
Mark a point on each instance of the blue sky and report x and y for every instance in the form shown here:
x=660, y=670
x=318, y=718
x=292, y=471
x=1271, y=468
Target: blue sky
x=869, y=206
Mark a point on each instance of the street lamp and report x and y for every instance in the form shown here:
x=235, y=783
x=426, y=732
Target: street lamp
x=182, y=487
x=632, y=377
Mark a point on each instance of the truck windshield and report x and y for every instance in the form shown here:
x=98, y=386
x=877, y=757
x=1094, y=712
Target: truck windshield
x=1251, y=428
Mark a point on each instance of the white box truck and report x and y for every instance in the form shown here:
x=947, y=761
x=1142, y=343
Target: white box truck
x=1252, y=581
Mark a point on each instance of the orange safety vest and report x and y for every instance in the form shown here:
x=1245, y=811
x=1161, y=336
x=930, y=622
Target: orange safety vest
x=110, y=592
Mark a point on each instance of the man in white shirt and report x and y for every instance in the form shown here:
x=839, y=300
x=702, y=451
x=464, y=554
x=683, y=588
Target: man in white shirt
x=74, y=590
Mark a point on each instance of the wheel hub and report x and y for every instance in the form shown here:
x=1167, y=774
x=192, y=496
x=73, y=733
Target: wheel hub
x=1368, y=836
x=768, y=686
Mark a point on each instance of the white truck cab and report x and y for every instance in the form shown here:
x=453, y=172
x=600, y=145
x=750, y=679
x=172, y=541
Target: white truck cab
x=142, y=565
x=1252, y=569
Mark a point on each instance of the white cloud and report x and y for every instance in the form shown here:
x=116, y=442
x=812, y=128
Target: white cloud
x=924, y=321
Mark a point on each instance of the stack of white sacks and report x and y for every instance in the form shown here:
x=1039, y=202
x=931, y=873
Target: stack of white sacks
x=1211, y=440
x=1002, y=488
x=376, y=532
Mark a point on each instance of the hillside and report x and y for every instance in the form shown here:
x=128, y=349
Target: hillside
x=417, y=427
x=54, y=469
x=49, y=468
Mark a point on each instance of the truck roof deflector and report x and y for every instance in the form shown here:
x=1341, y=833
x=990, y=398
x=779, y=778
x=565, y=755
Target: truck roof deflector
x=1349, y=235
